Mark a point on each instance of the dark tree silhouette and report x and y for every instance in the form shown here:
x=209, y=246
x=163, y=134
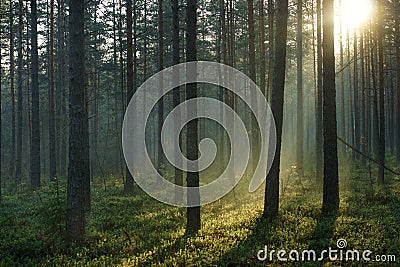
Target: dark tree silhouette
x=35, y=147
x=193, y=213
x=271, y=201
x=331, y=179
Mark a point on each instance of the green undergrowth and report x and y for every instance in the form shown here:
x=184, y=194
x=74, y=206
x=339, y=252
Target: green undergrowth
x=139, y=231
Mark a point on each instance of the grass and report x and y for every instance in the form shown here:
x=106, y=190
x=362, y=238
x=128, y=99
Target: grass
x=140, y=231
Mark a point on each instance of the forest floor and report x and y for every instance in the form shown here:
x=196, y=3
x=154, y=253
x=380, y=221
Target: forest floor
x=140, y=231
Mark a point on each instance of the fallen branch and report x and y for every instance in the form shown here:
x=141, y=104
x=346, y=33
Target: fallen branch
x=366, y=156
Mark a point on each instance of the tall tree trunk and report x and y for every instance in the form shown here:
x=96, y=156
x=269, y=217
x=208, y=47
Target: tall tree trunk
x=12, y=92
x=380, y=28
x=35, y=148
x=356, y=97
x=261, y=40
x=331, y=179
x=78, y=188
x=398, y=84
x=129, y=73
x=342, y=95
x=177, y=92
x=52, y=133
x=252, y=53
x=319, y=122
x=271, y=201
x=193, y=213
x=299, y=58
x=160, y=152
x=252, y=75
x=63, y=85
x=18, y=163
x=271, y=13
x=363, y=102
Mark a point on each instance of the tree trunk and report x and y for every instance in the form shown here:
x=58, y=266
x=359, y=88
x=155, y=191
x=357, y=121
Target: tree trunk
x=380, y=28
x=129, y=73
x=363, y=102
x=261, y=40
x=62, y=84
x=331, y=179
x=252, y=75
x=342, y=95
x=18, y=162
x=398, y=84
x=12, y=92
x=271, y=13
x=78, y=188
x=271, y=201
x=35, y=148
x=252, y=53
x=356, y=97
x=299, y=57
x=52, y=133
x=193, y=213
x=319, y=122
x=160, y=152
x=176, y=93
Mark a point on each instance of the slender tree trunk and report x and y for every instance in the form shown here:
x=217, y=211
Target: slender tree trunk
x=319, y=122
x=271, y=201
x=363, y=102
x=160, y=153
x=18, y=163
x=380, y=26
x=252, y=53
x=52, y=133
x=193, y=213
x=271, y=43
x=252, y=75
x=331, y=179
x=356, y=97
x=12, y=92
x=299, y=57
x=375, y=132
x=261, y=40
x=342, y=98
x=129, y=73
x=176, y=92
x=78, y=191
x=398, y=84
x=35, y=148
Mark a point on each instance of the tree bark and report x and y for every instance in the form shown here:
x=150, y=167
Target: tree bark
x=398, y=84
x=18, y=162
x=176, y=93
x=319, y=122
x=271, y=201
x=252, y=75
x=35, y=119
x=193, y=213
x=52, y=133
x=160, y=152
x=331, y=178
x=261, y=40
x=12, y=92
x=382, y=144
x=78, y=188
x=129, y=73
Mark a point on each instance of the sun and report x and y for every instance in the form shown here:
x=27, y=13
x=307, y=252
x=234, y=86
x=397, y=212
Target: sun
x=355, y=13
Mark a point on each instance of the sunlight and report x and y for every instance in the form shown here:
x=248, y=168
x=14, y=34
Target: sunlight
x=354, y=13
